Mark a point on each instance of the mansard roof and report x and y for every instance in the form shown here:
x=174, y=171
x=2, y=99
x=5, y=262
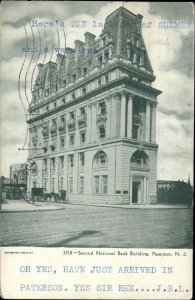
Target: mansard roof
x=122, y=31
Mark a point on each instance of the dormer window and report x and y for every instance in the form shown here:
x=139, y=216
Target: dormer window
x=106, y=55
x=100, y=60
x=74, y=77
x=84, y=71
x=71, y=139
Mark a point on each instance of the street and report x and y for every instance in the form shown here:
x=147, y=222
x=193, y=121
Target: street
x=93, y=226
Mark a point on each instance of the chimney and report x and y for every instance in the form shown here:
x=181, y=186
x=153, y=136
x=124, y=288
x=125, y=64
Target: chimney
x=68, y=55
x=79, y=46
x=89, y=38
x=60, y=60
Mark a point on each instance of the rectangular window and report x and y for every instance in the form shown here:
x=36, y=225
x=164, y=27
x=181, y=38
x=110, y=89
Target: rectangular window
x=106, y=79
x=82, y=111
x=73, y=96
x=71, y=139
x=81, y=185
x=96, y=184
x=71, y=161
x=83, y=91
x=63, y=101
x=71, y=185
x=61, y=162
x=100, y=60
x=82, y=137
x=99, y=82
x=72, y=115
x=102, y=108
x=53, y=164
x=62, y=143
x=104, y=185
x=82, y=158
x=102, y=132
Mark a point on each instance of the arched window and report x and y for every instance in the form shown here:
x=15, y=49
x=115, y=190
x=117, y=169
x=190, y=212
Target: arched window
x=139, y=160
x=100, y=160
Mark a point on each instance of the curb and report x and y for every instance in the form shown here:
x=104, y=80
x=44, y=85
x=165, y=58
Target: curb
x=30, y=210
x=131, y=207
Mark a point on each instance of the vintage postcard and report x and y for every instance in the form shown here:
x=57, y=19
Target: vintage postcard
x=96, y=149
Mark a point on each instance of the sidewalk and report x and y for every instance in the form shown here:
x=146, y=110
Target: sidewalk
x=23, y=206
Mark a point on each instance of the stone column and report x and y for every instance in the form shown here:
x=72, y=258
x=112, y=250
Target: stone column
x=153, y=131
x=77, y=141
x=147, y=128
x=108, y=125
x=49, y=175
x=129, y=117
x=89, y=120
x=145, y=191
x=123, y=115
x=131, y=189
x=114, y=115
x=93, y=124
x=75, y=173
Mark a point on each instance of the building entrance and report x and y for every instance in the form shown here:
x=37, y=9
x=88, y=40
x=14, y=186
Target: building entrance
x=136, y=192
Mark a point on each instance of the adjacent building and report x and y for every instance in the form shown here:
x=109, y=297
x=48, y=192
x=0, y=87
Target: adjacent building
x=92, y=129
x=174, y=192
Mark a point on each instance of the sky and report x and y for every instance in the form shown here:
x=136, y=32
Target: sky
x=170, y=51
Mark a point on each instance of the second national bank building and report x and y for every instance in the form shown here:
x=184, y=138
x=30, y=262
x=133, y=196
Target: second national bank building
x=93, y=119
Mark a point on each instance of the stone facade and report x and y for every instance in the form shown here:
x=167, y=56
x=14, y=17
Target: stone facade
x=93, y=119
